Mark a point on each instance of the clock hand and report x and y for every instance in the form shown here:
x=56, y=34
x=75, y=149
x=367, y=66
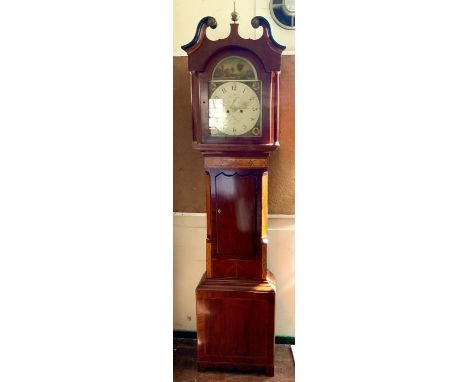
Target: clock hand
x=232, y=104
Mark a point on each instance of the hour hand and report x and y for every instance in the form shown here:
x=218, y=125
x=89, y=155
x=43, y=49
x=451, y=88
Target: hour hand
x=233, y=103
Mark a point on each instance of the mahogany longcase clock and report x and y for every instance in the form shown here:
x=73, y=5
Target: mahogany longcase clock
x=235, y=95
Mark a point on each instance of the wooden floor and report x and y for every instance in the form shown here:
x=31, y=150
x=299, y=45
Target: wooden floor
x=185, y=366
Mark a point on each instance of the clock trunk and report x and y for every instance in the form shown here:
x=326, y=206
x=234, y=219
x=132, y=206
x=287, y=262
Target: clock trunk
x=236, y=214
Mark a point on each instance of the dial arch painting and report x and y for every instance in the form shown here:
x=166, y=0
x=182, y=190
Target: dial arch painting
x=234, y=68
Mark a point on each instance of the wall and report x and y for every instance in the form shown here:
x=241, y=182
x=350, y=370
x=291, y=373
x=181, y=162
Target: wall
x=188, y=180
x=189, y=265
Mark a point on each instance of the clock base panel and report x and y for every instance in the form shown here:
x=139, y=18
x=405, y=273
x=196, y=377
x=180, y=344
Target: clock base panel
x=235, y=324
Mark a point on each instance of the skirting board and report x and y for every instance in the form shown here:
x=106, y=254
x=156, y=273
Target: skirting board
x=278, y=339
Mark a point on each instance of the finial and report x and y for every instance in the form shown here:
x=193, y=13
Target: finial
x=234, y=15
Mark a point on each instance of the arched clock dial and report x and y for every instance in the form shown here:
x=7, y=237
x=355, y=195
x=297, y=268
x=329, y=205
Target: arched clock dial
x=234, y=108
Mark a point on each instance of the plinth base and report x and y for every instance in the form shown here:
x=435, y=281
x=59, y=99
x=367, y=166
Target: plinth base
x=236, y=324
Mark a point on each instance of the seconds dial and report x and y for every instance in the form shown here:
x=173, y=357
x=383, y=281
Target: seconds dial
x=234, y=109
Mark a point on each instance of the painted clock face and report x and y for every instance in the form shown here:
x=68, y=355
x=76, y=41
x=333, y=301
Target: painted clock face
x=234, y=108
x=234, y=95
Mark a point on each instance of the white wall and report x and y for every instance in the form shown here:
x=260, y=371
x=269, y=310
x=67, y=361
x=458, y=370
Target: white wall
x=187, y=14
x=189, y=265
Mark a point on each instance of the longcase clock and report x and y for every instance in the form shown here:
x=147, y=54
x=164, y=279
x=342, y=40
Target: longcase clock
x=235, y=96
